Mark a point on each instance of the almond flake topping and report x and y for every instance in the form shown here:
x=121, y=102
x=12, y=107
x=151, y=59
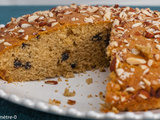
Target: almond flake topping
x=142, y=84
x=53, y=24
x=123, y=15
x=158, y=47
x=130, y=89
x=150, y=62
x=32, y=18
x=21, y=31
x=42, y=17
x=142, y=96
x=50, y=14
x=25, y=25
x=156, y=32
x=96, y=16
x=157, y=36
x=144, y=11
x=7, y=44
x=115, y=97
x=2, y=40
x=93, y=9
x=147, y=82
x=136, y=25
x=143, y=67
x=124, y=50
x=145, y=71
x=88, y=20
x=67, y=13
x=25, y=37
x=157, y=56
x=73, y=6
x=74, y=19
x=119, y=71
x=135, y=51
x=43, y=29
x=123, y=98
x=107, y=16
x=51, y=20
x=114, y=44
x=116, y=22
x=132, y=69
x=135, y=61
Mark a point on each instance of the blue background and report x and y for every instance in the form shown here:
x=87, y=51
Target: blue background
x=8, y=108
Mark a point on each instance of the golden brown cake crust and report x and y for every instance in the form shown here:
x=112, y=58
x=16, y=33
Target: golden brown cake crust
x=29, y=26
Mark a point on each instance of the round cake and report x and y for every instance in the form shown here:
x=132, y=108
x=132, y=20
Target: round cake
x=72, y=39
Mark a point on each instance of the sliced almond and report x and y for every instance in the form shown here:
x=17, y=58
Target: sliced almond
x=50, y=14
x=148, y=34
x=2, y=40
x=116, y=22
x=130, y=89
x=135, y=51
x=135, y=61
x=150, y=62
x=157, y=56
x=107, y=16
x=32, y=18
x=7, y=44
x=88, y=20
x=93, y=9
x=114, y=64
x=54, y=24
x=144, y=11
x=136, y=25
x=158, y=47
x=143, y=94
x=119, y=71
x=20, y=30
x=25, y=25
x=114, y=44
x=147, y=81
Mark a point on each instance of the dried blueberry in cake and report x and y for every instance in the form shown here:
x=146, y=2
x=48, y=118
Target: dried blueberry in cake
x=27, y=65
x=24, y=45
x=38, y=36
x=65, y=56
x=97, y=37
x=73, y=65
x=17, y=63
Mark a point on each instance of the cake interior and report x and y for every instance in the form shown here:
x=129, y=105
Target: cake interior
x=70, y=49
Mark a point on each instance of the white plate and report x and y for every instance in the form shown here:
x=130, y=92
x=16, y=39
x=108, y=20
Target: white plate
x=36, y=94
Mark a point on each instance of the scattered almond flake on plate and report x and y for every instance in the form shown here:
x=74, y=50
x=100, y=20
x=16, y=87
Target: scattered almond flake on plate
x=54, y=102
x=102, y=69
x=101, y=96
x=89, y=96
x=66, y=80
x=69, y=94
x=71, y=102
x=59, y=80
x=52, y=82
x=89, y=81
x=56, y=91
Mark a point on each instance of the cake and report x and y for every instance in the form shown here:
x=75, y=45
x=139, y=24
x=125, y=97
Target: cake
x=67, y=40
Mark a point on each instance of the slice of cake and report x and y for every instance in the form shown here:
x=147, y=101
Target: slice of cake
x=67, y=40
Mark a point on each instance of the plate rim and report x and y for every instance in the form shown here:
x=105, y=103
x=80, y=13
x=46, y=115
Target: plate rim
x=72, y=112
